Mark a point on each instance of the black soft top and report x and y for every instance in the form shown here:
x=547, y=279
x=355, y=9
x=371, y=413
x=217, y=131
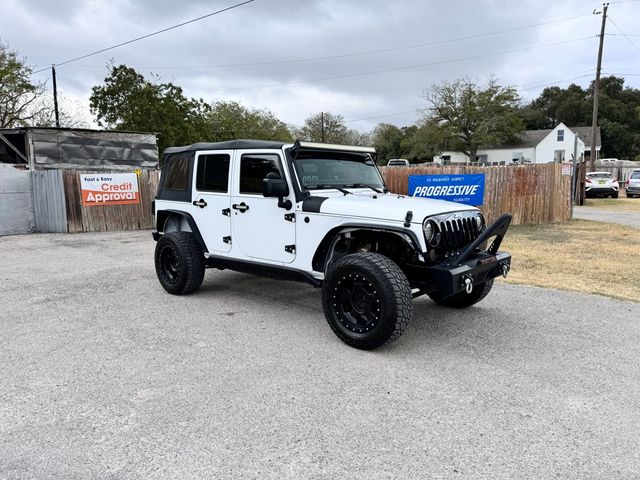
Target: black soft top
x=228, y=145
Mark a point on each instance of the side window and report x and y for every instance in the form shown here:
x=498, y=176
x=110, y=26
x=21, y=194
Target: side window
x=177, y=174
x=213, y=173
x=253, y=169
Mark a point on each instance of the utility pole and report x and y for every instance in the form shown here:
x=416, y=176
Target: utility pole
x=55, y=96
x=596, y=92
x=322, y=126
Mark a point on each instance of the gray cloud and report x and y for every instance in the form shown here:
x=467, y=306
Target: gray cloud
x=276, y=30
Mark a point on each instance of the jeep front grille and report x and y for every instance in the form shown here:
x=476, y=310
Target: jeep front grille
x=458, y=232
x=455, y=230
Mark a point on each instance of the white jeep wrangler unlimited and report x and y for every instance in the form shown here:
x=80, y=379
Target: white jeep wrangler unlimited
x=320, y=214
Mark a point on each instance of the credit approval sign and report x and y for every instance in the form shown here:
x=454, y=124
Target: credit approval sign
x=454, y=187
x=109, y=189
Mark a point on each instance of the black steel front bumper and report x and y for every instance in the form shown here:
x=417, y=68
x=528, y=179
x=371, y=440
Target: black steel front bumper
x=472, y=267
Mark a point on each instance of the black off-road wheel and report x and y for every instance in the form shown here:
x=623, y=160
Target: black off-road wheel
x=179, y=262
x=367, y=300
x=464, y=299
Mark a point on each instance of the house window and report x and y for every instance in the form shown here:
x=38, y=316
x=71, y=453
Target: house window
x=446, y=159
x=482, y=158
x=517, y=156
x=560, y=135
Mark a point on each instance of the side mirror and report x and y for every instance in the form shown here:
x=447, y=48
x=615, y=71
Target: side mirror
x=274, y=186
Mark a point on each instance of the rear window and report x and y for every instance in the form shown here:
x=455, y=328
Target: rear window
x=599, y=175
x=177, y=174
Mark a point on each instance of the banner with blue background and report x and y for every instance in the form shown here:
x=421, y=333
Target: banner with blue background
x=459, y=188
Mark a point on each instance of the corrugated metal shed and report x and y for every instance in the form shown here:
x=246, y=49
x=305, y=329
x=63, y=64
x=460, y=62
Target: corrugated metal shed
x=93, y=149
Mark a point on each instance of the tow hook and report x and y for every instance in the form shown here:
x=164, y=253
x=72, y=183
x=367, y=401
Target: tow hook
x=505, y=270
x=467, y=281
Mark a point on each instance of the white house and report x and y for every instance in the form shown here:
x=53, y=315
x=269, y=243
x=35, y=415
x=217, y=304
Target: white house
x=532, y=146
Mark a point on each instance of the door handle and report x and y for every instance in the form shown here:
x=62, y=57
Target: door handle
x=200, y=203
x=243, y=207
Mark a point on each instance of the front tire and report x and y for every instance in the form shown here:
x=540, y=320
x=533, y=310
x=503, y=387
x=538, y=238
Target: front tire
x=464, y=299
x=179, y=263
x=615, y=195
x=367, y=300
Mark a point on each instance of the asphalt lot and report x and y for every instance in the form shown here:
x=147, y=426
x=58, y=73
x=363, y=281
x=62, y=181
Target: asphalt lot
x=106, y=376
x=622, y=217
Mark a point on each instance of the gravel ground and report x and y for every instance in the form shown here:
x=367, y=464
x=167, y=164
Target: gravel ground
x=106, y=376
x=623, y=217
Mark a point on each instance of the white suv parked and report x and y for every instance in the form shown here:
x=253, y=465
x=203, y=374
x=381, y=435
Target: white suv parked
x=320, y=214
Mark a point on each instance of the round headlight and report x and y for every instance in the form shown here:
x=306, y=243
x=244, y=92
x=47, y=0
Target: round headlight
x=431, y=234
x=428, y=231
x=479, y=222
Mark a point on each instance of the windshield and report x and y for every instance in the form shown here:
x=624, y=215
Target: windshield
x=322, y=171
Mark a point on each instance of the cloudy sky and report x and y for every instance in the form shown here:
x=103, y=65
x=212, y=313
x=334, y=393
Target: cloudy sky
x=368, y=60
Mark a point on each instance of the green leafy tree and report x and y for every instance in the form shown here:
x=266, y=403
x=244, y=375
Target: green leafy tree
x=19, y=95
x=387, y=140
x=468, y=116
x=326, y=127
x=128, y=101
x=231, y=120
x=421, y=143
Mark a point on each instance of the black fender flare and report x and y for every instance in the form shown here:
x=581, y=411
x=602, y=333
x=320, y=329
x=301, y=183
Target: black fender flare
x=163, y=215
x=320, y=255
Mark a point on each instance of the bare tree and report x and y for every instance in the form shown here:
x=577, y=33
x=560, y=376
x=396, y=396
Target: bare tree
x=18, y=93
x=470, y=116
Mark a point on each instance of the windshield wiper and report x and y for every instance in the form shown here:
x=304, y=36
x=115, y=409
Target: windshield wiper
x=346, y=192
x=362, y=185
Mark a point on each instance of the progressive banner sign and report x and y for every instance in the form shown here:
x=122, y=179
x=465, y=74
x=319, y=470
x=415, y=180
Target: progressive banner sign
x=459, y=188
x=109, y=189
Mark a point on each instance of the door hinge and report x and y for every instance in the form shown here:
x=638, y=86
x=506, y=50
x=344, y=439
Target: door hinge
x=226, y=239
x=226, y=211
x=290, y=248
x=290, y=217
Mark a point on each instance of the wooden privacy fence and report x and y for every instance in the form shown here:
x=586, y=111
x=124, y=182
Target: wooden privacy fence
x=533, y=194
x=58, y=204
x=109, y=217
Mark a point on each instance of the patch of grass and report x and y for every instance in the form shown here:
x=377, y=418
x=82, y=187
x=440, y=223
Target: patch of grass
x=579, y=255
x=628, y=204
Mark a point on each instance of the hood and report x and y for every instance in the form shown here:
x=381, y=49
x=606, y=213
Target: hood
x=387, y=206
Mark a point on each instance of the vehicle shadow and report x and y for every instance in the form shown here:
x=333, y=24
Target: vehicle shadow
x=432, y=325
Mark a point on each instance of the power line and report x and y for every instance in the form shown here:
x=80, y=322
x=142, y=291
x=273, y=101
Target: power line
x=624, y=34
x=394, y=114
x=555, y=83
x=405, y=67
x=149, y=34
x=367, y=52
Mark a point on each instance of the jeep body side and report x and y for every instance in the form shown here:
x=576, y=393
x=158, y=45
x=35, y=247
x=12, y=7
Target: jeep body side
x=321, y=214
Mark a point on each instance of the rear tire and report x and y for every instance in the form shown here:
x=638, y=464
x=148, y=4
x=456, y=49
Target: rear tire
x=615, y=195
x=367, y=300
x=464, y=299
x=179, y=263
